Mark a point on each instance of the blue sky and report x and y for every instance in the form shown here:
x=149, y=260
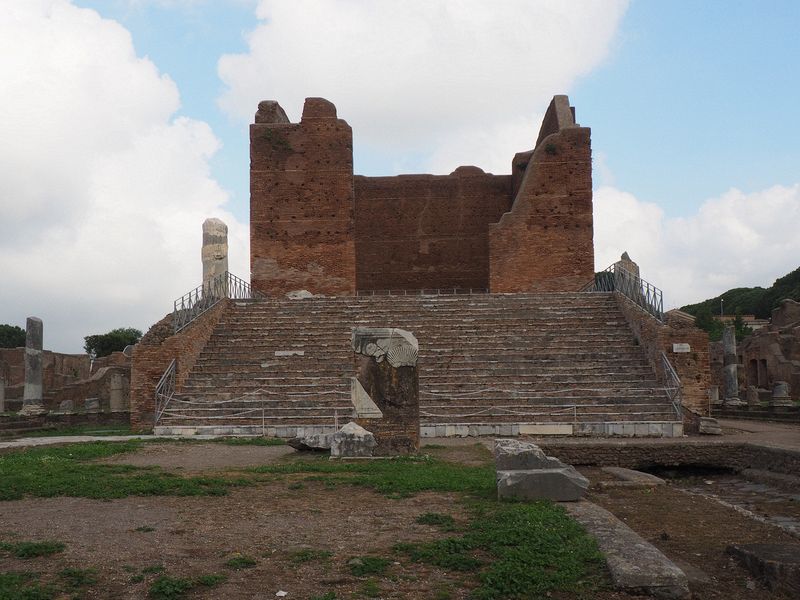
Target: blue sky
x=125, y=125
x=694, y=98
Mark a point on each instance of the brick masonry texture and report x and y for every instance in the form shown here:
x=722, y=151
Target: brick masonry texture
x=546, y=242
x=316, y=226
x=655, y=337
x=152, y=355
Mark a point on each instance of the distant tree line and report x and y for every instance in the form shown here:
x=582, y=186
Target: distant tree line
x=11, y=336
x=750, y=301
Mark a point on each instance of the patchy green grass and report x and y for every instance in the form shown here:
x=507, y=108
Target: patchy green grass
x=305, y=555
x=535, y=550
x=145, y=529
x=78, y=578
x=169, y=588
x=240, y=561
x=443, y=522
x=149, y=570
x=370, y=589
x=31, y=549
x=24, y=586
x=211, y=580
x=325, y=596
x=362, y=566
x=395, y=477
x=68, y=471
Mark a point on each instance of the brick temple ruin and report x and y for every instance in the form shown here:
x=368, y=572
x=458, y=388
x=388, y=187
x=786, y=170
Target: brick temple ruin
x=316, y=226
x=492, y=274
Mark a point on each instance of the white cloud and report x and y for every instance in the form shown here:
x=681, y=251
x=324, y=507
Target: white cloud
x=735, y=240
x=451, y=79
x=102, y=190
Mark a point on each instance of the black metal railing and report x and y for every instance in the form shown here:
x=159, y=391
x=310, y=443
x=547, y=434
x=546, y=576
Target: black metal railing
x=193, y=304
x=617, y=279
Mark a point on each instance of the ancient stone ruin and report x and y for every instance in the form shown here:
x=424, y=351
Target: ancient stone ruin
x=524, y=472
x=386, y=387
x=317, y=226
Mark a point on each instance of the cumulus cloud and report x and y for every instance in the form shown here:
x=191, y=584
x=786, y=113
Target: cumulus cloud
x=103, y=189
x=460, y=82
x=736, y=240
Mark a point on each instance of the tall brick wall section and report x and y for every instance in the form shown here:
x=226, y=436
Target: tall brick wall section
x=545, y=243
x=157, y=348
x=301, y=201
x=427, y=231
x=693, y=367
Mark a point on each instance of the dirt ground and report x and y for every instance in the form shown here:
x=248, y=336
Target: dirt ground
x=694, y=532
x=123, y=540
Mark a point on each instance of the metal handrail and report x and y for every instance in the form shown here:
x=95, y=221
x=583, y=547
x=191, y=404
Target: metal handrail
x=165, y=390
x=424, y=292
x=673, y=387
x=204, y=297
x=617, y=279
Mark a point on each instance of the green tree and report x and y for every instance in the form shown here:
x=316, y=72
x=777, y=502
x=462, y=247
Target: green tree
x=113, y=341
x=11, y=336
x=742, y=330
x=705, y=321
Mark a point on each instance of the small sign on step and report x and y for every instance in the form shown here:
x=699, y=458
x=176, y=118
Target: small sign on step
x=678, y=348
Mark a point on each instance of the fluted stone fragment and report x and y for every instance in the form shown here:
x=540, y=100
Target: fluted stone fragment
x=32, y=402
x=215, y=248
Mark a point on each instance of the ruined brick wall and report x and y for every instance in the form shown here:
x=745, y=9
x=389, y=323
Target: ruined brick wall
x=157, y=348
x=693, y=367
x=772, y=353
x=426, y=231
x=315, y=226
x=545, y=243
x=301, y=201
x=58, y=369
x=97, y=386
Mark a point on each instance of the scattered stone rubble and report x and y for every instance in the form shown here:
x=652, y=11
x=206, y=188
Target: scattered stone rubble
x=524, y=472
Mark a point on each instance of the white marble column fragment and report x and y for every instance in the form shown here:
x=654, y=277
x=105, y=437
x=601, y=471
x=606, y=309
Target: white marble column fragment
x=215, y=249
x=730, y=367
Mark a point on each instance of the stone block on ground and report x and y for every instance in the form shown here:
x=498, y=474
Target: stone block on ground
x=66, y=406
x=632, y=478
x=709, y=426
x=777, y=565
x=524, y=472
x=636, y=566
x=562, y=485
x=352, y=441
x=91, y=404
x=318, y=442
x=516, y=455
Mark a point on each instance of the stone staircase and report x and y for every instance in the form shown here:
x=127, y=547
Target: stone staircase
x=489, y=364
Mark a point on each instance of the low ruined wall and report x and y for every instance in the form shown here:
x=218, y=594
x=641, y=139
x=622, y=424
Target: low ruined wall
x=693, y=367
x=98, y=386
x=639, y=456
x=427, y=231
x=152, y=355
x=58, y=369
